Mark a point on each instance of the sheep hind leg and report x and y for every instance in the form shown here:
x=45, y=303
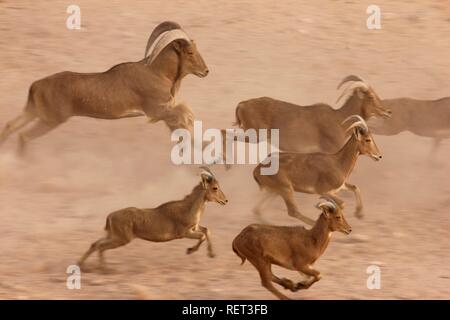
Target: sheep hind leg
x=91, y=250
x=264, y=201
x=37, y=130
x=108, y=244
x=265, y=273
x=309, y=271
x=16, y=124
x=293, y=210
x=359, y=206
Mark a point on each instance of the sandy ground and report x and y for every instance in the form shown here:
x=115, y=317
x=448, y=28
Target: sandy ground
x=53, y=202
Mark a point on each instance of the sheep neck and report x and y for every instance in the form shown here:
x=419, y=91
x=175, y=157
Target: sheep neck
x=169, y=65
x=195, y=203
x=347, y=156
x=321, y=234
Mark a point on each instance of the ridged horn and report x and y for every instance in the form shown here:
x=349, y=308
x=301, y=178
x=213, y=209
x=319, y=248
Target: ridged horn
x=207, y=172
x=327, y=202
x=164, y=38
x=360, y=123
x=351, y=77
x=159, y=29
x=352, y=87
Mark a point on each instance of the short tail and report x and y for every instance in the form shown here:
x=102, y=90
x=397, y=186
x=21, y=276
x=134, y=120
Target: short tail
x=238, y=121
x=255, y=176
x=240, y=255
x=30, y=107
x=108, y=225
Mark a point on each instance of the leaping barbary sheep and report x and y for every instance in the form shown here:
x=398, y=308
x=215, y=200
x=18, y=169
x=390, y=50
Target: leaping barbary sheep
x=313, y=128
x=426, y=118
x=169, y=221
x=294, y=247
x=318, y=173
x=144, y=88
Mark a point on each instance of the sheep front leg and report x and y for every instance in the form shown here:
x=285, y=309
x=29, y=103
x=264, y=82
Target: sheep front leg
x=359, y=206
x=285, y=283
x=227, y=153
x=195, y=234
x=309, y=271
x=288, y=196
x=205, y=230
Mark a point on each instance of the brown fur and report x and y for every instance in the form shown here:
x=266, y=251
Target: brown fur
x=426, y=118
x=169, y=221
x=129, y=89
x=313, y=128
x=316, y=173
x=293, y=248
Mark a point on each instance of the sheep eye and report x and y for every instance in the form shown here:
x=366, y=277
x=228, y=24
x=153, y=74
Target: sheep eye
x=215, y=188
x=368, y=140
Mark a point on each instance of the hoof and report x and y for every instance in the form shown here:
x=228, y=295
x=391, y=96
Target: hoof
x=359, y=213
x=289, y=284
x=301, y=286
x=211, y=254
x=190, y=250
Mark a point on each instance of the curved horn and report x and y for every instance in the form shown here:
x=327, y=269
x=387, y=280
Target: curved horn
x=207, y=171
x=338, y=202
x=356, y=117
x=327, y=202
x=159, y=29
x=351, y=88
x=360, y=123
x=163, y=41
x=351, y=77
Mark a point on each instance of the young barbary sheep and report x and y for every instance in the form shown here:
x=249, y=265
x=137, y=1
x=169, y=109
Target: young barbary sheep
x=171, y=220
x=318, y=173
x=294, y=248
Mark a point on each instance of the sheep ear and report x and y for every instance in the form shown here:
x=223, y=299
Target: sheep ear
x=204, y=183
x=206, y=179
x=324, y=210
x=360, y=92
x=177, y=46
x=357, y=133
x=326, y=213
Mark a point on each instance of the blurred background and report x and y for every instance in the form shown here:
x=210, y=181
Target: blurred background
x=53, y=202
